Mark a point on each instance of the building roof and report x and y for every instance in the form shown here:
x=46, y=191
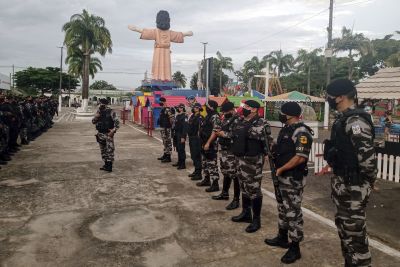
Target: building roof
x=385, y=84
x=173, y=101
x=294, y=96
x=185, y=93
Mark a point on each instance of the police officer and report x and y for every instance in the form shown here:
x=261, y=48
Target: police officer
x=209, y=144
x=165, y=121
x=351, y=154
x=248, y=146
x=228, y=161
x=107, y=125
x=291, y=155
x=180, y=132
x=194, y=123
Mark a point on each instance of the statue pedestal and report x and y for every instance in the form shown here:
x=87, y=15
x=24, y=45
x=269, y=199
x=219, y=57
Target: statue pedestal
x=84, y=113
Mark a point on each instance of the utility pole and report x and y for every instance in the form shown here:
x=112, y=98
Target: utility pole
x=13, y=67
x=61, y=65
x=204, y=62
x=328, y=50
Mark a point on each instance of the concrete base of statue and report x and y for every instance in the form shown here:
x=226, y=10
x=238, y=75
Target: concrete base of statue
x=84, y=112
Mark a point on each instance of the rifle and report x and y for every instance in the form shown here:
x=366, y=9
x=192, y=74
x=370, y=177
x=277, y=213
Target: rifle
x=267, y=134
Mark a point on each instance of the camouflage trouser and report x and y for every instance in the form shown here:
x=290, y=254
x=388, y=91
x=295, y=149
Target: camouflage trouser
x=250, y=175
x=209, y=166
x=351, y=201
x=166, y=139
x=289, y=212
x=106, y=146
x=228, y=163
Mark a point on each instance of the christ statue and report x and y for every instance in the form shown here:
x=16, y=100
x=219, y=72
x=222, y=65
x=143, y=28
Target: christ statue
x=163, y=36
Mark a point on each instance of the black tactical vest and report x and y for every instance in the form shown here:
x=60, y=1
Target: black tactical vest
x=194, y=125
x=206, y=127
x=244, y=146
x=286, y=148
x=105, y=122
x=226, y=143
x=346, y=160
x=165, y=121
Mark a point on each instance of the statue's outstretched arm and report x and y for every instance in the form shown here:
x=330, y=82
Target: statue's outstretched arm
x=189, y=33
x=135, y=29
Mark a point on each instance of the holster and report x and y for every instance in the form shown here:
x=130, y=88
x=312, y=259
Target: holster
x=99, y=140
x=350, y=177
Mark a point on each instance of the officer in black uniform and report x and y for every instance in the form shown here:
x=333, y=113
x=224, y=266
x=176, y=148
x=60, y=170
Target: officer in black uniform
x=165, y=121
x=194, y=123
x=180, y=132
x=291, y=155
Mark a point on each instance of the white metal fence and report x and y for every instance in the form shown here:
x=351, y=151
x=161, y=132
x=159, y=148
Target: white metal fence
x=388, y=165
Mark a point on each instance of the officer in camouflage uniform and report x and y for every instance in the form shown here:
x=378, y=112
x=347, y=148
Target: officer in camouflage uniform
x=107, y=124
x=210, y=124
x=291, y=155
x=351, y=154
x=165, y=121
x=194, y=123
x=228, y=161
x=248, y=146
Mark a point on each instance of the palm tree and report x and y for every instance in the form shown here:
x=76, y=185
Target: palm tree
x=87, y=33
x=179, y=78
x=224, y=63
x=307, y=60
x=75, y=63
x=250, y=68
x=280, y=63
x=357, y=44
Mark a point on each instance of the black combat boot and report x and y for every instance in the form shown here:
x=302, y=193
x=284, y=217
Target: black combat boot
x=293, y=253
x=236, y=195
x=281, y=240
x=104, y=168
x=24, y=142
x=167, y=159
x=182, y=166
x=245, y=215
x=256, y=205
x=214, y=187
x=205, y=182
x=196, y=176
x=162, y=157
x=175, y=164
x=108, y=166
x=192, y=174
x=4, y=157
x=225, y=189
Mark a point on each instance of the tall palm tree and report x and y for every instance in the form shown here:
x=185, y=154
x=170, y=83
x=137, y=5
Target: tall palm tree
x=87, y=33
x=224, y=63
x=280, y=63
x=250, y=68
x=179, y=78
x=306, y=61
x=75, y=63
x=356, y=44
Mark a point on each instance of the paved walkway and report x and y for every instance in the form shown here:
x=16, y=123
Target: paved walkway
x=58, y=209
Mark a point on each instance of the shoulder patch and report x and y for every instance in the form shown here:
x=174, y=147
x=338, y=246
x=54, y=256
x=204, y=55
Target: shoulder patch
x=303, y=139
x=356, y=129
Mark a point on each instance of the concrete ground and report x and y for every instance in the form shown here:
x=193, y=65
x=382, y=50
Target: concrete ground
x=58, y=209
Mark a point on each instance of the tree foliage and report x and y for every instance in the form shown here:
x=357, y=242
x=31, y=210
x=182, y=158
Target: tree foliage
x=102, y=85
x=180, y=79
x=44, y=80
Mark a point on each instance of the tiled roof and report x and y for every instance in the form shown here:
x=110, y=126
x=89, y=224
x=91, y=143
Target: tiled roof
x=385, y=84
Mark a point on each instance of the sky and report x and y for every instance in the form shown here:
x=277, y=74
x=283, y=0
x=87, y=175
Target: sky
x=31, y=30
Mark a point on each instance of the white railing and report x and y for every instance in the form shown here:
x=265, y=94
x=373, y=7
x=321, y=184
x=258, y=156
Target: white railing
x=388, y=165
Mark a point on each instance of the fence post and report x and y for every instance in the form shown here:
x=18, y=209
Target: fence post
x=397, y=171
x=391, y=163
x=379, y=165
x=384, y=169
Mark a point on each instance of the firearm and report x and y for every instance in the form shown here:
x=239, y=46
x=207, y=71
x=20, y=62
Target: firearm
x=267, y=149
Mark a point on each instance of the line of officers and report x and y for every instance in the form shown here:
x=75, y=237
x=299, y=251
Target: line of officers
x=23, y=117
x=240, y=139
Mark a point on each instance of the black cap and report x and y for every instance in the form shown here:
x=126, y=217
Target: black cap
x=162, y=99
x=197, y=105
x=227, y=106
x=191, y=97
x=340, y=87
x=291, y=109
x=103, y=101
x=252, y=103
x=213, y=104
x=181, y=105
